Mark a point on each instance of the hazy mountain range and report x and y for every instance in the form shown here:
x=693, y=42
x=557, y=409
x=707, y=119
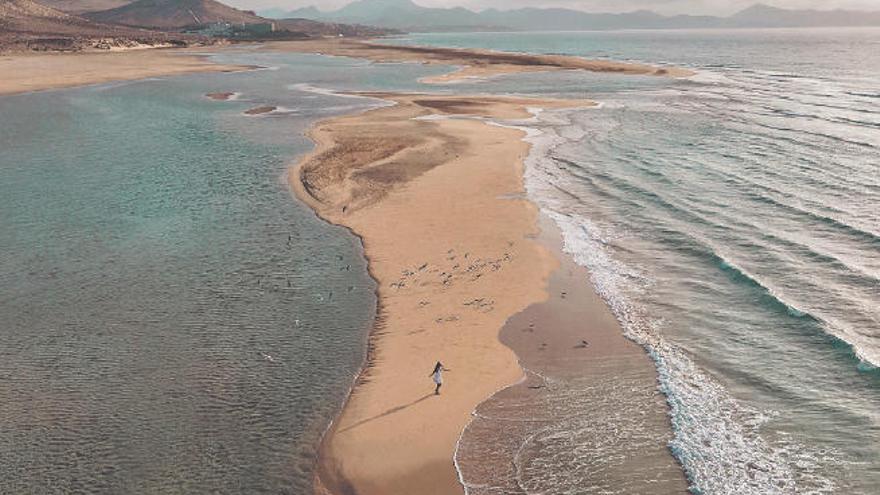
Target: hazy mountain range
x=407, y=15
x=75, y=25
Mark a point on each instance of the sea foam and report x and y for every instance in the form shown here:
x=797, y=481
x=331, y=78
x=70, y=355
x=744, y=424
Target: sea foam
x=716, y=438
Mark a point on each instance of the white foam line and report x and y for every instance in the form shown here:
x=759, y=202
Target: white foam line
x=716, y=438
x=475, y=415
x=308, y=88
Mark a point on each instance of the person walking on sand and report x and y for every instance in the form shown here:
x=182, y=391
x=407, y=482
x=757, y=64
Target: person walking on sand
x=437, y=375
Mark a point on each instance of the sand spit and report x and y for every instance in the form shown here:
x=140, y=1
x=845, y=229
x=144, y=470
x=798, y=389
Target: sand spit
x=450, y=238
x=41, y=71
x=474, y=63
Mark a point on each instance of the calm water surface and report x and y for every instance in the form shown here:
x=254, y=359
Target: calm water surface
x=171, y=321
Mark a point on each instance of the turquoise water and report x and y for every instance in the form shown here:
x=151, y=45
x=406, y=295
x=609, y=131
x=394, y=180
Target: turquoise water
x=732, y=222
x=172, y=320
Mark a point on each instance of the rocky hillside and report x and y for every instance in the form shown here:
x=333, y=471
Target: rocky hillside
x=28, y=25
x=29, y=16
x=79, y=7
x=173, y=14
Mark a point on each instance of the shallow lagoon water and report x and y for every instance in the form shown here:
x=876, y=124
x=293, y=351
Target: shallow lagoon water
x=173, y=321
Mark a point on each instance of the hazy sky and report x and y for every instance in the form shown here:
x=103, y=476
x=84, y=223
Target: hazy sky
x=721, y=7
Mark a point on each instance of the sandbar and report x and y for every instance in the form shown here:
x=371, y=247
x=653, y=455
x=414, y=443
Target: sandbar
x=451, y=240
x=26, y=72
x=473, y=63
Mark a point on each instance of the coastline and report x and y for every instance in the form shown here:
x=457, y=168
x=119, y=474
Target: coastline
x=450, y=273
x=26, y=72
x=472, y=63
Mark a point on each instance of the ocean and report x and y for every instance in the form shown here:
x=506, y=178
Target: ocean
x=174, y=322
x=732, y=223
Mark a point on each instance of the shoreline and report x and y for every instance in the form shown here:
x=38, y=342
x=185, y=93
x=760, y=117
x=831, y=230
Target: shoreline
x=583, y=378
x=438, y=308
x=388, y=438
x=31, y=72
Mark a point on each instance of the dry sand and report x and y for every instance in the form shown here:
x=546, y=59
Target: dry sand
x=34, y=72
x=473, y=63
x=450, y=240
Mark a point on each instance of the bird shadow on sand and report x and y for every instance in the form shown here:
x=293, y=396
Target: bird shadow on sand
x=387, y=413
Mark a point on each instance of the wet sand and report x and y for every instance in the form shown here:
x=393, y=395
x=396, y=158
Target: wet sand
x=40, y=71
x=450, y=239
x=473, y=63
x=585, y=381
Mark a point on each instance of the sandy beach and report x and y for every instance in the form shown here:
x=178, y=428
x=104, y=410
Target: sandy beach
x=450, y=239
x=40, y=71
x=472, y=63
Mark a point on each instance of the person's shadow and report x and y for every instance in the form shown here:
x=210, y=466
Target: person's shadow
x=387, y=413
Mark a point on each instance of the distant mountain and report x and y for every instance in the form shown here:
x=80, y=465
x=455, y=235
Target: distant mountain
x=26, y=25
x=761, y=15
x=407, y=15
x=573, y=20
x=321, y=28
x=275, y=13
x=32, y=18
x=173, y=14
x=396, y=14
x=81, y=6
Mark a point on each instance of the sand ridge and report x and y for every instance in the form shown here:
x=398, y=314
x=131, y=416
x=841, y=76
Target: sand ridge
x=473, y=63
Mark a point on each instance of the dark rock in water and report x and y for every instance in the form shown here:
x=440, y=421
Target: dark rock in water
x=220, y=96
x=260, y=110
